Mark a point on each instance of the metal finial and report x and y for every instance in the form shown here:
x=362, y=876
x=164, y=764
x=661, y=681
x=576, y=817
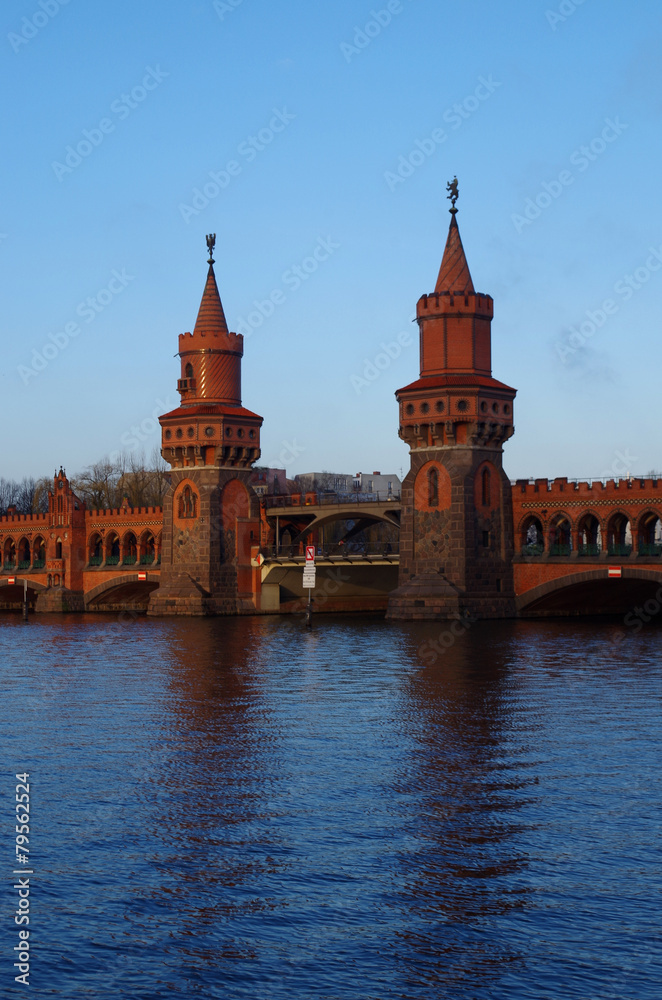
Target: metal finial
x=211, y=243
x=452, y=187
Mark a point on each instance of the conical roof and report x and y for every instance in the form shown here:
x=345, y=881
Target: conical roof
x=211, y=318
x=454, y=273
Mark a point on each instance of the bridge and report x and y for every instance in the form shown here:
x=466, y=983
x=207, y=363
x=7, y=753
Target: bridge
x=586, y=547
x=579, y=548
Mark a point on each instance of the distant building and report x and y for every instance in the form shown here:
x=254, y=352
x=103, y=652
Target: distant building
x=269, y=481
x=335, y=482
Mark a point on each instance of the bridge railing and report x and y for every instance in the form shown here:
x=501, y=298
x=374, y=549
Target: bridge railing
x=337, y=549
x=314, y=499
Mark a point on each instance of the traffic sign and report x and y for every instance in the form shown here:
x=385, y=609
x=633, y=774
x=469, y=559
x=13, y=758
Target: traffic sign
x=615, y=572
x=142, y=576
x=309, y=577
x=310, y=553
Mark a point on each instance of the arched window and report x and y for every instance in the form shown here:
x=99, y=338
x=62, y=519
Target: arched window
x=532, y=537
x=24, y=554
x=486, y=488
x=10, y=554
x=58, y=549
x=130, y=549
x=38, y=553
x=187, y=503
x=433, y=488
x=188, y=371
x=590, y=538
x=560, y=536
x=619, y=536
x=650, y=535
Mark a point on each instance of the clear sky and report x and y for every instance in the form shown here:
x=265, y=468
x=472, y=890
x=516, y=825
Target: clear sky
x=320, y=137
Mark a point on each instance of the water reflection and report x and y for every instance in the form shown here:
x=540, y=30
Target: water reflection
x=243, y=807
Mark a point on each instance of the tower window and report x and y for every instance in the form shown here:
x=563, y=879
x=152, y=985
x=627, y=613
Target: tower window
x=433, y=488
x=462, y=405
x=424, y=407
x=486, y=539
x=188, y=371
x=486, y=488
x=187, y=503
x=439, y=406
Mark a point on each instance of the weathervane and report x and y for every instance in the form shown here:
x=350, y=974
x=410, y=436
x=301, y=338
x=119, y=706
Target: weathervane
x=452, y=187
x=211, y=243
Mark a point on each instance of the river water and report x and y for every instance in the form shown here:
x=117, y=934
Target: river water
x=244, y=808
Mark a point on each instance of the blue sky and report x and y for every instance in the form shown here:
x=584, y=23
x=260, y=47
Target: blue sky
x=321, y=137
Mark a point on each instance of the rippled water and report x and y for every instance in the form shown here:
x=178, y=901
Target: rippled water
x=245, y=808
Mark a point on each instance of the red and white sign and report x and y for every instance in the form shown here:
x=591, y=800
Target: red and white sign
x=11, y=579
x=310, y=553
x=142, y=576
x=616, y=572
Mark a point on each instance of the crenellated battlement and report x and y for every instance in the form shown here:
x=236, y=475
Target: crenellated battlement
x=552, y=488
x=122, y=513
x=38, y=520
x=232, y=343
x=445, y=303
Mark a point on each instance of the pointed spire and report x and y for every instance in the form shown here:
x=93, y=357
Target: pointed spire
x=211, y=318
x=454, y=275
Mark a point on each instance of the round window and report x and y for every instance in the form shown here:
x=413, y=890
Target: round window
x=240, y=432
x=462, y=405
x=506, y=408
x=168, y=434
x=190, y=431
x=424, y=407
x=409, y=408
x=179, y=432
x=495, y=407
x=209, y=431
x=483, y=407
x=228, y=432
x=439, y=406
x=251, y=434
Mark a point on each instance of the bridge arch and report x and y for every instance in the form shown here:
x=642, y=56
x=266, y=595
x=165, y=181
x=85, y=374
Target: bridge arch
x=125, y=590
x=592, y=592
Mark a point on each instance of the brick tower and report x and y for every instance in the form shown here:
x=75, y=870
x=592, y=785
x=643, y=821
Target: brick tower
x=456, y=543
x=210, y=513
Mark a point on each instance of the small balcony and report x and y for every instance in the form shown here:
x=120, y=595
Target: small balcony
x=186, y=384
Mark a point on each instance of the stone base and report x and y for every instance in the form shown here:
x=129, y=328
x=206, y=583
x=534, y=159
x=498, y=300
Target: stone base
x=181, y=595
x=430, y=597
x=59, y=600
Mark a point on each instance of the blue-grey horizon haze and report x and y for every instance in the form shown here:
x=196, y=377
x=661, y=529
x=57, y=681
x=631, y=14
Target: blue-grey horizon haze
x=316, y=141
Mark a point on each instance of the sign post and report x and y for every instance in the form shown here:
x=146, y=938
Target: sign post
x=25, y=600
x=309, y=582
